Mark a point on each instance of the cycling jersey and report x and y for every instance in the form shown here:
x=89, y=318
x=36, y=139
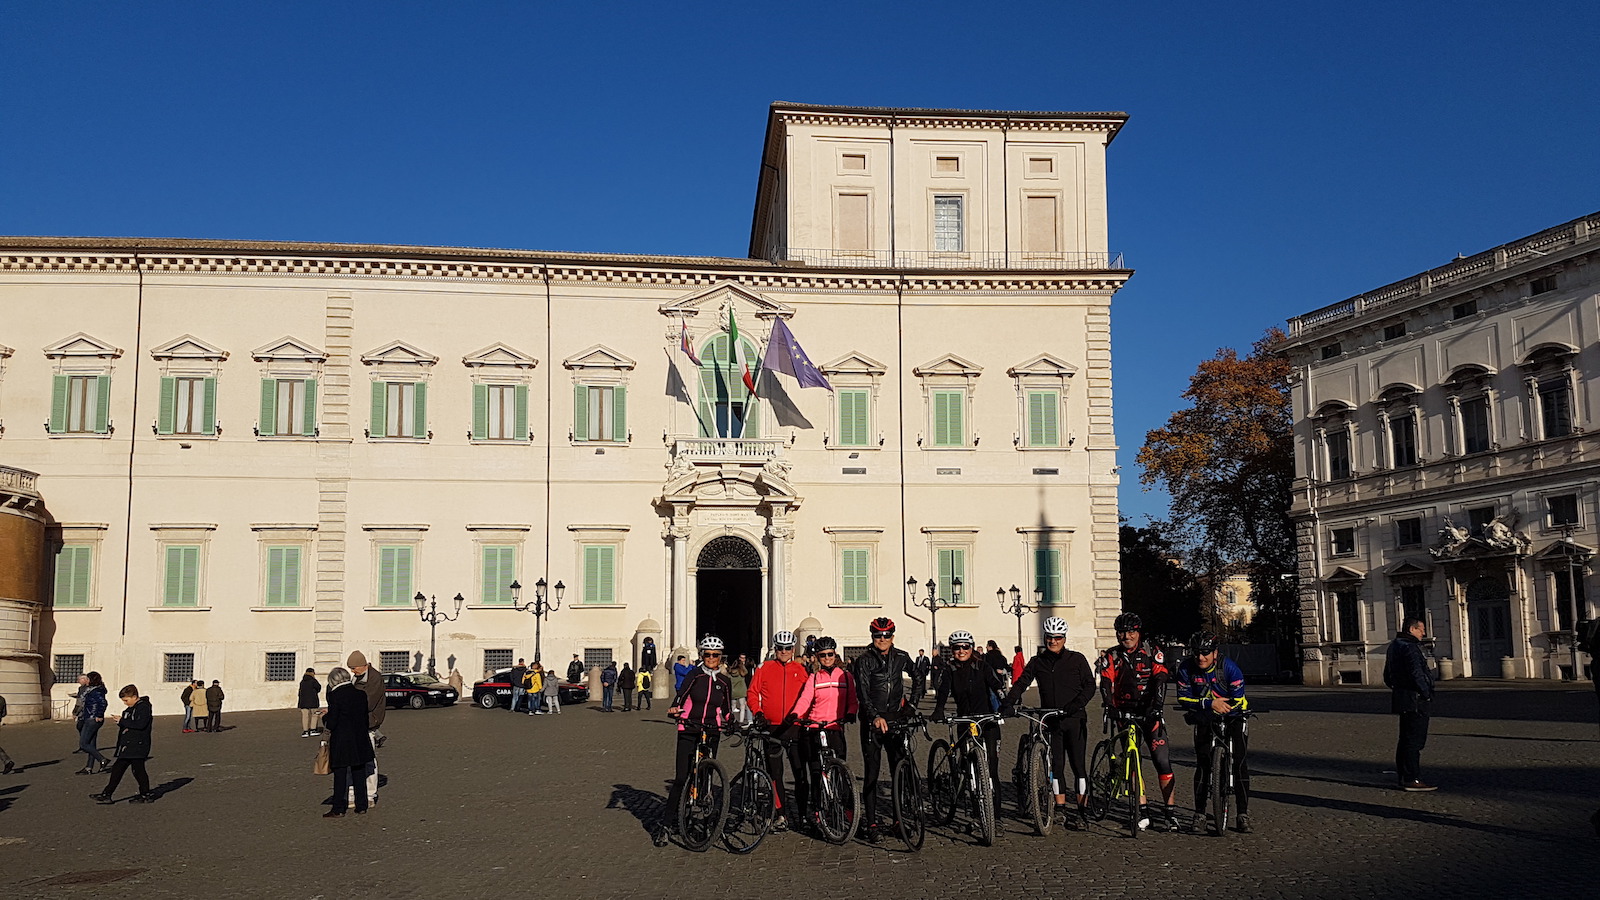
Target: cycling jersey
x=973, y=684
x=827, y=696
x=1133, y=681
x=775, y=687
x=1197, y=687
x=1065, y=681
x=705, y=701
x=879, y=684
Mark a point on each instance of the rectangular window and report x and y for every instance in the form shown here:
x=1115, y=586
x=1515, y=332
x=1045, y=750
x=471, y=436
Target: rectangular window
x=499, y=570
x=288, y=406
x=1411, y=601
x=80, y=404
x=399, y=409
x=1349, y=614
x=281, y=666
x=1044, y=407
x=1338, y=454
x=1564, y=581
x=855, y=576
x=952, y=565
x=1542, y=285
x=193, y=397
x=600, y=412
x=396, y=565
x=1040, y=224
x=1475, y=424
x=1462, y=310
x=1408, y=532
x=394, y=660
x=947, y=165
x=1555, y=405
x=500, y=412
x=182, y=583
x=177, y=668
x=1344, y=541
x=68, y=666
x=600, y=574
x=1331, y=350
x=74, y=575
x=853, y=417
x=854, y=225
x=1394, y=332
x=597, y=656
x=495, y=660
x=1563, y=509
x=948, y=412
x=1478, y=519
x=949, y=227
x=283, y=576
x=1403, y=440
x=1047, y=575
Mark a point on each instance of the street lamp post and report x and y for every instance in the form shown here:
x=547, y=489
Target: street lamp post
x=1574, y=582
x=540, y=607
x=932, y=601
x=431, y=614
x=1017, y=607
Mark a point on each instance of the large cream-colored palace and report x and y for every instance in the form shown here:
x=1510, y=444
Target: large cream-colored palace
x=1448, y=459
x=235, y=460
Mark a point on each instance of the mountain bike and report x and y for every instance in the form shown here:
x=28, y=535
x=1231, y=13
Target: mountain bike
x=703, y=801
x=1115, y=775
x=1037, y=783
x=752, y=802
x=905, y=782
x=1219, y=750
x=962, y=772
x=837, y=808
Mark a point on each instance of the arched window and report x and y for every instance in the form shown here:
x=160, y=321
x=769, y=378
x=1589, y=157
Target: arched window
x=727, y=408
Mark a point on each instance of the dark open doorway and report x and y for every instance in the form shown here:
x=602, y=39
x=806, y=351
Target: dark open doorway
x=728, y=596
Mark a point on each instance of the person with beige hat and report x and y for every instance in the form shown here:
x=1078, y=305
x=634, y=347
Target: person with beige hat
x=370, y=681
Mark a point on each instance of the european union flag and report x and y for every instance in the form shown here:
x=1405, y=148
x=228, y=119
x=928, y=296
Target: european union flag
x=784, y=355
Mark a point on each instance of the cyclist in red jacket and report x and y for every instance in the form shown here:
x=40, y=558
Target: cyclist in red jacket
x=774, y=688
x=1133, y=682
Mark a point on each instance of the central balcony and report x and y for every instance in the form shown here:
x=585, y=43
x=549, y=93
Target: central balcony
x=726, y=450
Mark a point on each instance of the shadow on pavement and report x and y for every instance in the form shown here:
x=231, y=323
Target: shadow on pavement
x=38, y=765
x=6, y=801
x=1507, y=737
x=645, y=807
x=1393, y=812
x=167, y=787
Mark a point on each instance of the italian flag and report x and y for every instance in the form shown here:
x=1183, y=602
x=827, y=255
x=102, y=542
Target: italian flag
x=738, y=354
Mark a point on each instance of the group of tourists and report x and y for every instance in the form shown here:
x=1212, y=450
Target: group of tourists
x=202, y=706
x=535, y=688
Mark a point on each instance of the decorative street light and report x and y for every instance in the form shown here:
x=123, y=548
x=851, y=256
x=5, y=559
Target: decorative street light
x=540, y=607
x=1576, y=558
x=430, y=613
x=1017, y=607
x=932, y=601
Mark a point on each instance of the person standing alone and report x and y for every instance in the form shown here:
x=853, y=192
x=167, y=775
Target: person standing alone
x=133, y=747
x=310, y=691
x=1405, y=671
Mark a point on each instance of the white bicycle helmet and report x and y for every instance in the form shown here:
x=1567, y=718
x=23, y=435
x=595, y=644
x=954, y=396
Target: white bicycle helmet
x=783, y=640
x=711, y=642
x=962, y=637
x=1055, y=626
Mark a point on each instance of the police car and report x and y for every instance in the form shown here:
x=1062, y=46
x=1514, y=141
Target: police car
x=416, y=691
x=495, y=691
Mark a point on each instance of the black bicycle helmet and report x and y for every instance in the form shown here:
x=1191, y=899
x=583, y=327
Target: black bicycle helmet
x=823, y=644
x=1129, y=622
x=882, y=625
x=1202, y=643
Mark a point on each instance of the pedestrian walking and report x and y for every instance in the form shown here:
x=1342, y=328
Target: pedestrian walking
x=1405, y=671
x=626, y=682
x=534, y=682
x=1018, y=663
x=370, y=681
x=214, y=698
x=89, y=720
x=133, y=747
x=519, y=685
x=188, y=707
x=552, y=693
x=575, y=669
x=608, y=685
x=197, y=699
x=646, y=688
x=310, y=702
x=6, y=765
x=350, y=750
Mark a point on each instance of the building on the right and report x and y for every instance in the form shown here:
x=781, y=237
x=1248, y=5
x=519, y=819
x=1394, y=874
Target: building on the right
x=1447, y=458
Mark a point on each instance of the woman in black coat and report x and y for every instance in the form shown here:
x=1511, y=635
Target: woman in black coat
x=310, y=702
x=349, y=745
x=133, y=746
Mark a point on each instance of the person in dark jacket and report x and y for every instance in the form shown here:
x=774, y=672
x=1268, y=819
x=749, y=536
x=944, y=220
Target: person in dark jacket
x=5, y=761
x=608, y=685
x=371, y=682
x=920, y=667
x=647, y=656
x=574, y=670
x=974, y=684
x=214, y=698
x=996, y=660
x=349, y=743
x=880, y=675
x=93, y=713
x=1405, y=671
x=133, y=747
x=702, y=705
x=1066, y=683
x=310, y=702
x=188, y=707
x=626, y=683
x=519, y=675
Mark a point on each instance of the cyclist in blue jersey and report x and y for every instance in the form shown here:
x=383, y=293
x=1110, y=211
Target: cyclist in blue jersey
x=1211, y=693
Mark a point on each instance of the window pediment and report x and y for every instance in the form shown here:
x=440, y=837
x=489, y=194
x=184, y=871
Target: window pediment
x=1467, y=374
x=288, y=349
x=81, y=345
x=1344, y=574
x=501, y=356
x=948, y=365
x=1398, y=392
x=1044, y=365
x=1332, y=409
x=715, y=296
x=854, y=364
x=1549, y=353
x=1408, y=567
x=399, y=353
x=190, y=348
x=599, y=357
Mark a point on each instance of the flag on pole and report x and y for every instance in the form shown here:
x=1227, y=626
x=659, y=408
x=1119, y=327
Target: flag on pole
x=737, y=354
x=784, y=355
x=683, y=342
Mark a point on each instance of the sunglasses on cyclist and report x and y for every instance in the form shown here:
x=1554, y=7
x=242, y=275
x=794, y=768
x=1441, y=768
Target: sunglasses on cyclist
x=712, y=655
x=882, y=635
x=827, y=653
x=1055, y=637
x=960, y=646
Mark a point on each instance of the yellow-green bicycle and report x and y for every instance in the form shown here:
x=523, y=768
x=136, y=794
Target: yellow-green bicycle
x=1116, y=778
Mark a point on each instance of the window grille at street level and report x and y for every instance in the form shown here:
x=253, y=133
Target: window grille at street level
x=280, y=666
x=177, y=667
x=495, y=660
x=68, y=667
x=596, y=656
x=850, y=653
x=394, y=660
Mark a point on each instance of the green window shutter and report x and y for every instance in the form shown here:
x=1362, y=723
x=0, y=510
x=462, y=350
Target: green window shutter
x=73, y=571
x=853, y=418
x=267, y=423
x=480, y=411
x=608, y=573
x=952, y=565
x=1043, y=407
x=520, y=415
x=599, y=574
x=289, y=575
x=174, y=577
x=402, y=575
x=208, y=408
x=853, y=568
x=591, y=575
x=419, y=427
x=102, y=406
x=167, y=411
x=309, y=426
x=182, y=577
x=499, y=570
x=1047, y=574
x=947, y=430
x=380, y=405
x=64, y=576
x=619, y=413
x=191, y=576
x=508, y=570
x=275, y=576
x=386, y=570
x=58, y=404
x=580, y=412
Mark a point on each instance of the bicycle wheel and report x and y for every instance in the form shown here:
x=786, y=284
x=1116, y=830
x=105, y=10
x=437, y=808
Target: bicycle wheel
x=942, y=783
x=1130, y=782
x=1039, y=795
x=751, y=808
x=1219, y=787
x=703, y=805
x=983, y=796
x=836, y=803
x=1101, y=781
x=906, y=792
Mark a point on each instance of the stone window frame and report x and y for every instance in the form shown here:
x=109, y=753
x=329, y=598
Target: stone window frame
x=1546, y=365
x=82, y=355
x=1331, y=417
x=598, y=535
x=599, y=366
x=964, y=194
x=290, y=359
x=189, y=357
x=500, y=364
x=1464, y=383
x=957, y=537
x=1036, y=538
x=497, y=535
x=854, y=371
x=1333, y=541
x=1043, y=373
x=76, y=534
x=949, y=373
x=398, y=362
x=842, y=538
x=284, y=534
x=1397, y=401
x=394, y=535
x=183, y=534
x=1577, y=491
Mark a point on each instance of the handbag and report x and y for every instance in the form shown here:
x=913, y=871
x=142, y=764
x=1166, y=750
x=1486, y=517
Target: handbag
x=321, y=765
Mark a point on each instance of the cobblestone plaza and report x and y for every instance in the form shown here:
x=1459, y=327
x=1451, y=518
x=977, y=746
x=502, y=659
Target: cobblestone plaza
x=486, y=804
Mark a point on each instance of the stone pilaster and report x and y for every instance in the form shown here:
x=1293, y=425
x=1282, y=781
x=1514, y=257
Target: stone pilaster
x=333, y=481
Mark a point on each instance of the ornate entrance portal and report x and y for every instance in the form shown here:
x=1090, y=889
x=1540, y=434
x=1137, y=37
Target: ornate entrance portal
x=728, y=595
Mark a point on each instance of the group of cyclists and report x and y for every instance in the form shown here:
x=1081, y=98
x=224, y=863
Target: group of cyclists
x=796, y=703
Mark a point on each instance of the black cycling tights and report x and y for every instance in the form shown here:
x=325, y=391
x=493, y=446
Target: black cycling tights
x=873, y=743
x=1068, y=737
x=688, y=745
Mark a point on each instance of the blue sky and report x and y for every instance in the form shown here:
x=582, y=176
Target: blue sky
x=1280, y=156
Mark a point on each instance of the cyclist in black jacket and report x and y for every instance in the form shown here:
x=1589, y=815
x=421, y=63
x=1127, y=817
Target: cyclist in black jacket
x=1066, y=683
x=975, y=684
x=880, y=687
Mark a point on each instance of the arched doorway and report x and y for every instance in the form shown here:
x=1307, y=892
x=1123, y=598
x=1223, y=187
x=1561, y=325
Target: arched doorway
x=1488, y=624
x=728, y=595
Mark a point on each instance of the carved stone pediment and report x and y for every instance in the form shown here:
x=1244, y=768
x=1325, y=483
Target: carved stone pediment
x=82, y=345
x=1046, y=365
x=854, y=364
x=949, y=364
x=599, y=357
x=1345, y=574
x=713, y=297
x=188, y=347
x=288, y=349
x=399, y=353
x=499, y=355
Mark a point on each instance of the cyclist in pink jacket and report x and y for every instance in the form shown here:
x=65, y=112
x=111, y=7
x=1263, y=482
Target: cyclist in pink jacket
x=826, y=703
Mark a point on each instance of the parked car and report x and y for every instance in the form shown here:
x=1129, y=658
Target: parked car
x=416, y=691
x=495, y=691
